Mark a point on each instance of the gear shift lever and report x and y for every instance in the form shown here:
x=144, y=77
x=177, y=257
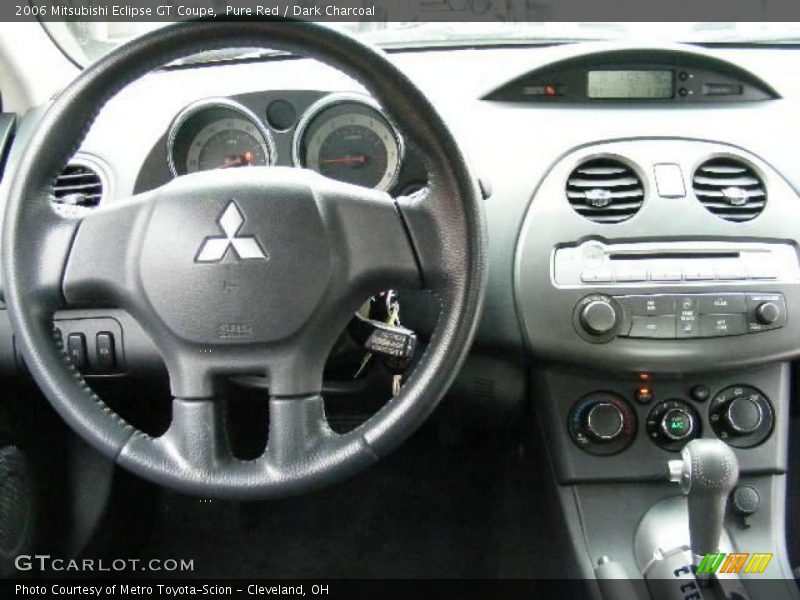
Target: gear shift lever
x=708, y=471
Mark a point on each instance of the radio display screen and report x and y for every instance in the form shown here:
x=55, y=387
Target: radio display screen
x=631, y=84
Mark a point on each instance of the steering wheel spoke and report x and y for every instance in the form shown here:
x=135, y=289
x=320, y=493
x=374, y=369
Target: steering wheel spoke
x=369, y=237
x=297, y=429
x=101, y=263
x=437, y=237
x=197, y=436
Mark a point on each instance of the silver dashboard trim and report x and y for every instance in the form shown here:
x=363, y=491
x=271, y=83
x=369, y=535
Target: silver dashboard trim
x=205, y=103
x=778, y=256
x=333, y=99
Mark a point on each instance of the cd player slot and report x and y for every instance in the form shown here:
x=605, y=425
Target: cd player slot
x=670, y=255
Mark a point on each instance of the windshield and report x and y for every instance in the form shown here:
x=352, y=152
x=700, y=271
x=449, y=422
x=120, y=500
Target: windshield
x=85, y=42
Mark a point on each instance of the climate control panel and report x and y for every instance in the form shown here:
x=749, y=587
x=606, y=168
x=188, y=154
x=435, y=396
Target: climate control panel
x=600, y=318
x=606, y=423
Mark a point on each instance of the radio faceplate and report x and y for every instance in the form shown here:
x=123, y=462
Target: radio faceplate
x=594, y=263
x=600, y=318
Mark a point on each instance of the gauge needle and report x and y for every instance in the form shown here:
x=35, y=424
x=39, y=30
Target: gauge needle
x=359, y=159
x=240, y=160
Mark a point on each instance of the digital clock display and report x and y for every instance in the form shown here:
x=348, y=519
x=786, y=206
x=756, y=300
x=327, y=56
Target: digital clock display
x=631, y=84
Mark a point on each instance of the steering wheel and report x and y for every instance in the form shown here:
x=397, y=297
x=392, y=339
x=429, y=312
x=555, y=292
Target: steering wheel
x=306, y=251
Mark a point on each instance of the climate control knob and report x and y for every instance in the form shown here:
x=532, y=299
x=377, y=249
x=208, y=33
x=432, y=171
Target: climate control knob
x=602, y=423
x=672, y=423
x=677, y=424
x=741, y=416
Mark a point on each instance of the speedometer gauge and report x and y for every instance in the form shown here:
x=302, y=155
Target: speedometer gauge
x=347, y=138
x=218, y=133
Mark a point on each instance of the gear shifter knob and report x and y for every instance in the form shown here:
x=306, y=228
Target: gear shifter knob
x=708, y=471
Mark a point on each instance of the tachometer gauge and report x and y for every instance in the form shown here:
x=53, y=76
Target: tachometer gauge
x=347, y=138
x=218, y=134
x=227, y=143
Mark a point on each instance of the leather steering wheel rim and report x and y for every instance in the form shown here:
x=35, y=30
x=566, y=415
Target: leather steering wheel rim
x=45, y=269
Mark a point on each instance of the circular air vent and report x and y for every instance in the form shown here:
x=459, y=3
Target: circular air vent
x=79, y=187
x=605, y=190
x=730, y=188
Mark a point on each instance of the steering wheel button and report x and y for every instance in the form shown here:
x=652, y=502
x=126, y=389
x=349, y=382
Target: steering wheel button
x=105, y=351
x=76, y=350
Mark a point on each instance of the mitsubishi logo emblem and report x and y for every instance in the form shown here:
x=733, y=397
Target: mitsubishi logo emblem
x=245, y=247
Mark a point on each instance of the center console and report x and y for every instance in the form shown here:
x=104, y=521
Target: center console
x=655, y=282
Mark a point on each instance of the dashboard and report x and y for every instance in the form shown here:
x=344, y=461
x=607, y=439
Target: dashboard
x=299, y=113
x=612, y=191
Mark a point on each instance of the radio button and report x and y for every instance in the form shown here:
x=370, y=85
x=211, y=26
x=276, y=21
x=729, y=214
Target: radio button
x=632, y=275
x=686, y=313
x=732, y=275
x=645, y=306
x=723, y=304
x=722, y=325
x=662, y=327
x=686, y=305
x=687, y=328
x=597, y=277
x=666, y=276
x=763, y=274
x=589, y=276
x=700, y=275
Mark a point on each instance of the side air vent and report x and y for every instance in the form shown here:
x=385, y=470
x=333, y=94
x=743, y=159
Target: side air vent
x=605, y=190
x=79, y=185
x=730, y=189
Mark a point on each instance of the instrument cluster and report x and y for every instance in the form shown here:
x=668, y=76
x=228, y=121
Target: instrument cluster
x=344, y=136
